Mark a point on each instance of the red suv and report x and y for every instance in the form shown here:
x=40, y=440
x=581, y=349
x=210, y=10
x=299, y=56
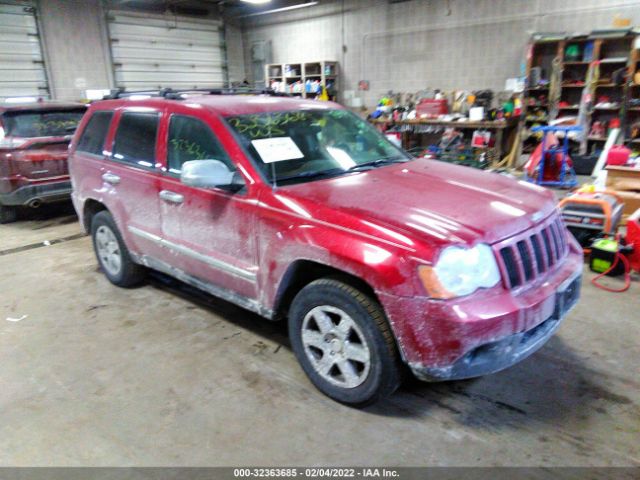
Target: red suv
x=301, y=210
x=34, y=138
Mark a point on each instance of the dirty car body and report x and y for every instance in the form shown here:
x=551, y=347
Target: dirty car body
x=410, y=233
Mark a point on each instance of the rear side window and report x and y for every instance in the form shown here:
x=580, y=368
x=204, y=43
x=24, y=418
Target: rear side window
x=192, y=139
x=95, y=133
x=135, y=140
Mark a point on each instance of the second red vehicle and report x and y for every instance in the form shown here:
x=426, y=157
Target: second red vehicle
x=300, y=210
x=34, y=138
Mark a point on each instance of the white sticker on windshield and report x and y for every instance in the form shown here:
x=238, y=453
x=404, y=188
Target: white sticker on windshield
x=277, y=149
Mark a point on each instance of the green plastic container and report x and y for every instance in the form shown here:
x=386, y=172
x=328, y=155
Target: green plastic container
x=603, y=254
x=572, y=53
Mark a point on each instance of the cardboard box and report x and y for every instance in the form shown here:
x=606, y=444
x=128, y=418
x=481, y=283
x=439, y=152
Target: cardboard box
x=631, y=203
x=623, y=178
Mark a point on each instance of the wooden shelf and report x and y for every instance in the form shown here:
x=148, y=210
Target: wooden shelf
x=611, y=52
x=613, y=61
x=324, y=72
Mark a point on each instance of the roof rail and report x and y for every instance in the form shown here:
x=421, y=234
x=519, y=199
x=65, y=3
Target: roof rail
x=173, y=94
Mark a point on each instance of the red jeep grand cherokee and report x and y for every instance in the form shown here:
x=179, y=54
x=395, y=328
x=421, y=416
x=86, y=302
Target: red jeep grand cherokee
x=301, y=210
x=34, y=138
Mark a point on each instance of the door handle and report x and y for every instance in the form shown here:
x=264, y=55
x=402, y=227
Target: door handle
x=171, y=197
x=111, y=178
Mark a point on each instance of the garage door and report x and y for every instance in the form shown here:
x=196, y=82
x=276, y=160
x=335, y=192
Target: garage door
x=21, y=61
x=156, y=51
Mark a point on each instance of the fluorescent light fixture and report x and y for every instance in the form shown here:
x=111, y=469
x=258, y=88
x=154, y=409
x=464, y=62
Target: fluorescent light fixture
x=278, y=10
x=21, y=99
x=256, y=2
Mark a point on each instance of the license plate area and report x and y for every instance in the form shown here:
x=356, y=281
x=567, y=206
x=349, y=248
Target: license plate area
x=566, y=297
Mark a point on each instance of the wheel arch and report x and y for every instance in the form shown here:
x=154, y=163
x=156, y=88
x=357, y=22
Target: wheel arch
x=302, y=272
x=90, y=209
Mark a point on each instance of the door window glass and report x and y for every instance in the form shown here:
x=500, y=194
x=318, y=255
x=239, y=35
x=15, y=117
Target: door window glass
x=135, y=140
x=192, y=139
x=95, y=133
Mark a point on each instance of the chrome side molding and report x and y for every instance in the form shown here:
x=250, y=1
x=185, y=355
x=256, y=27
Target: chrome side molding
x=212, y=262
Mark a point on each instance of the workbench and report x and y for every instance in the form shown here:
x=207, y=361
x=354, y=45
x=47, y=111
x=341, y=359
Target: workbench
x=504, y=131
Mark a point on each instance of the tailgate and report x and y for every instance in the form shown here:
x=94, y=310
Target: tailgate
x=41, y=160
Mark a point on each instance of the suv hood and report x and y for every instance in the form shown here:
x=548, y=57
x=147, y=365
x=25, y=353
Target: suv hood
x=440, y=202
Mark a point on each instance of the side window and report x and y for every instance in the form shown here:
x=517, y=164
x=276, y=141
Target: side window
x=192, y=139
x=95, y=133
x=135, y=140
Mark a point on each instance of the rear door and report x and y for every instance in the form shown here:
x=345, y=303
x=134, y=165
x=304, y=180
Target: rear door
x=211, y=231
x=130, y=178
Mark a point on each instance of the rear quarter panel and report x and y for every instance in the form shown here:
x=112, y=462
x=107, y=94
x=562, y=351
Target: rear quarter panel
x=85, y=169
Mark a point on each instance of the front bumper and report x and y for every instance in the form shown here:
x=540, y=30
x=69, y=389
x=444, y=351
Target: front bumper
x=495, y=356
x=49, y=192
x=485, y=332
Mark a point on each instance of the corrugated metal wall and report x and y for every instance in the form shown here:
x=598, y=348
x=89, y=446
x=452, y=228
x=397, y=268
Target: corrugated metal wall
x=21, y=59
x=155, y=51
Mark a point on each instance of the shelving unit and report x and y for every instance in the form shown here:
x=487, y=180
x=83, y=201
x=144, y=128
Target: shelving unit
x=304, y=79
x=578, y=54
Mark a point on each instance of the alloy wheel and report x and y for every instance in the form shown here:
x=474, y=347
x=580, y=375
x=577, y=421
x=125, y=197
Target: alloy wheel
x=108, y=250
x=336, y=346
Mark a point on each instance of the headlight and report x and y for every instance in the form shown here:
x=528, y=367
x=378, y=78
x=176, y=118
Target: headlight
x=460, y=271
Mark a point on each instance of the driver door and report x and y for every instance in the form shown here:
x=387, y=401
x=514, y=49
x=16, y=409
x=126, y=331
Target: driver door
x=209, y=232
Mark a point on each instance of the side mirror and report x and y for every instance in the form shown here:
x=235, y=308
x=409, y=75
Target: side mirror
x=210, y=174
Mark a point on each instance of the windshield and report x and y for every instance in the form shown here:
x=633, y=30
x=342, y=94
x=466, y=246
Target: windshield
x=42, y=124
x=296, y=146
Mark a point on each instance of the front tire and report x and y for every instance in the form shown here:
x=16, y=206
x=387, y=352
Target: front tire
x=343, y=342
x=112, y=254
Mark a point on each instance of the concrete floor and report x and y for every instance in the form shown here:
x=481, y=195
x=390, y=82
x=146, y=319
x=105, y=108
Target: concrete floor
x=161, y=375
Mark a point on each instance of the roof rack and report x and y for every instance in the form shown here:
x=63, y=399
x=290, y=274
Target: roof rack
x=173, y=94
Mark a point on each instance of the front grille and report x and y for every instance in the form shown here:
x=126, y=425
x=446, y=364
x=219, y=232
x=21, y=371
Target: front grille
x=527, y=256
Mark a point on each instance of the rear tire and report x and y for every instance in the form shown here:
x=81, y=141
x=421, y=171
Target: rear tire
x=343, y=342
x=112, y=253
x=8, y=214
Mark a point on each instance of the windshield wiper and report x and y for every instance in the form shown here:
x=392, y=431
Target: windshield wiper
x=376, y=163
x=339, y=171
x=312, y=174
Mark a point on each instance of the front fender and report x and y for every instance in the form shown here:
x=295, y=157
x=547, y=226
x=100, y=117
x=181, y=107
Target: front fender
x=376, y=263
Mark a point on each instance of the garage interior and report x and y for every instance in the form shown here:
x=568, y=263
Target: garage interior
x=166, y=375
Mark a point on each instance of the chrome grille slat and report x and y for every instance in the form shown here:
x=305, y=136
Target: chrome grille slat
x=537, y=251
x=554, y=239
x=548, y=248
x=526, y=259
x=563, y=236
x=533, y=254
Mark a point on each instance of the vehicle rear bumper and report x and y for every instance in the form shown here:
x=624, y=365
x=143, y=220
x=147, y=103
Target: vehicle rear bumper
x=49, y=192
x=485, y=332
